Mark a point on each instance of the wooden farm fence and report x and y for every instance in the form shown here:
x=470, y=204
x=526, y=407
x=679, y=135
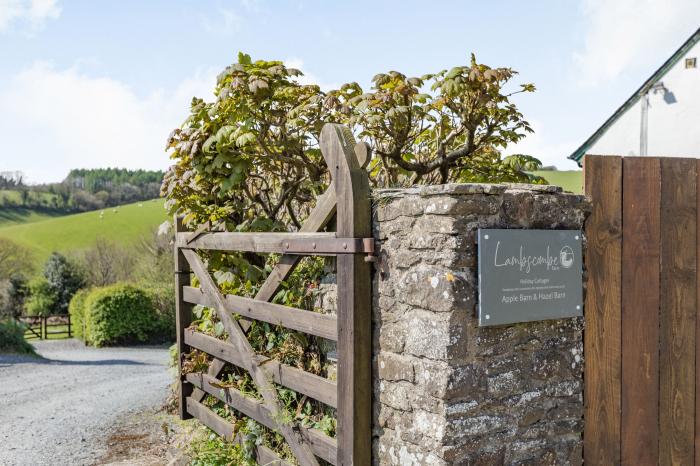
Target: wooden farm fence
x=40, y=327
x=642, y=340
x=348, y=199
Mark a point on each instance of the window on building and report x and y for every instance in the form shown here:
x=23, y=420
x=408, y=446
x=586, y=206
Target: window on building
x=691, y=63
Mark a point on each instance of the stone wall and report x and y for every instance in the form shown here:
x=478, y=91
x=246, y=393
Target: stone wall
x=445, y=390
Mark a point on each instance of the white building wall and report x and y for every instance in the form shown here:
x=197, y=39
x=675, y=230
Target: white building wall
x=673, y=122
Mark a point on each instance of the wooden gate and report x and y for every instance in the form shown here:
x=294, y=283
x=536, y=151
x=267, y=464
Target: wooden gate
x=641, y=336
x=348, y=198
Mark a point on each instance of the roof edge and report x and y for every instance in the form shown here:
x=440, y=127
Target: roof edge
x=578, y=154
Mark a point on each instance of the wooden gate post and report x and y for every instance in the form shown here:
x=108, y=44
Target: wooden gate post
x=354, y=298
x=183, y=319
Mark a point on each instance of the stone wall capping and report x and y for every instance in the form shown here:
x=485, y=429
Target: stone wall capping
x=466, y=188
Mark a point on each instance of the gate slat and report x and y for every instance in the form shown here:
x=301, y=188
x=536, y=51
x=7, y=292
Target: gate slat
x=640, y=311
x=322, y=445
x=225, y=429
x=313, y=323
x=602, y=346
x=678, y=302
x=298, y=380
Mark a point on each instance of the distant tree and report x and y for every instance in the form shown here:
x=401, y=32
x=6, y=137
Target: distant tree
x=103, y=196
x=106, y=263
x=10, y=179
x=84, y=201
x=64, y=279
x=63, y=191
x=124, y=194
x=17, y=292
x=24, y=195
x=154, y=257
x=42, y=300
x=14, y=259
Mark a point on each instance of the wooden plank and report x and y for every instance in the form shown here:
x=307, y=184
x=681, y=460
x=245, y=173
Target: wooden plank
x=317, y=244
x=311, y=385
x=697, y=319
x=602, y=344
x=183, y=318
x=353, y=220
x=210, y=419
x=678, y=308
x=313, y=323
x=225, y=429
x=322, y=445
x=253, y=363
x=641, y=197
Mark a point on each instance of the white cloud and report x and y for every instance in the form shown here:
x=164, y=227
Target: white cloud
x=309, y=78
x=539, y=145
x=224, y=23
x=32, y=14
x=623, y=34
x=57, y=119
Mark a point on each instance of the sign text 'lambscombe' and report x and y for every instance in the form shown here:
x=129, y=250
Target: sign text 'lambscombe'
x=527, y=275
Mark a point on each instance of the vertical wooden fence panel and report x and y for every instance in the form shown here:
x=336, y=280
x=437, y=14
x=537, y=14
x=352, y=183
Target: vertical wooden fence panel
x=602, y=346
x=183, y=318
x=354, y=300
x=697, y=318
x=678, y=309
x=649, y=415
x=640, y=311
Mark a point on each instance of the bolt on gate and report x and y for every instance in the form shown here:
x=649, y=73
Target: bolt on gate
x=347, y=198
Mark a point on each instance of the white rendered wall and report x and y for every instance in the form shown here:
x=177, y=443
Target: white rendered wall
x=673, y=127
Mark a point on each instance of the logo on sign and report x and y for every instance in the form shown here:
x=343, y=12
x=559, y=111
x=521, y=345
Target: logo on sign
x=566, y=257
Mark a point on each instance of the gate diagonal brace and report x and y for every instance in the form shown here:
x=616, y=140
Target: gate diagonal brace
x=258, y=372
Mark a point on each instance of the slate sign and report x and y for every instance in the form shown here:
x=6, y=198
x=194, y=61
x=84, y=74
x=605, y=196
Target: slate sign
x=527, y=275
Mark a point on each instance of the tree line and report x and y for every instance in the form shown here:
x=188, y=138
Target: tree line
x=82, y=190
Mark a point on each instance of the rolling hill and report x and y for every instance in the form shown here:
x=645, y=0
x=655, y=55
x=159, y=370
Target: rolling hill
x=124, y=224
x=17, y=215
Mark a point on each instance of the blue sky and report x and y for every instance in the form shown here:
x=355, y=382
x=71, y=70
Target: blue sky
x=89, y=84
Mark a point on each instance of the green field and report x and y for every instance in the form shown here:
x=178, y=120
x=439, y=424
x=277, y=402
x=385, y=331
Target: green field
x=124, y=224
x=12, y=212
x=571, y=180
x=16, y=215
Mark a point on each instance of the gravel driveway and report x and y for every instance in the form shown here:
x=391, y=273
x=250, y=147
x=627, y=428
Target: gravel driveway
x=59, y=408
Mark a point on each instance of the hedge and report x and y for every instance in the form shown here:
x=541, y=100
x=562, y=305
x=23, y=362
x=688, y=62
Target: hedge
x=76, y=309
x=123, y=314
x=12, y=338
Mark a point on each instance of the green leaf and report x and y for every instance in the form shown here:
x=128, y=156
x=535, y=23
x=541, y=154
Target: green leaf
x=244, y=139
x=244, y=58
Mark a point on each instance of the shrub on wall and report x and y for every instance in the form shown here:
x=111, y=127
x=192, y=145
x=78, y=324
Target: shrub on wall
x=251, y=156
